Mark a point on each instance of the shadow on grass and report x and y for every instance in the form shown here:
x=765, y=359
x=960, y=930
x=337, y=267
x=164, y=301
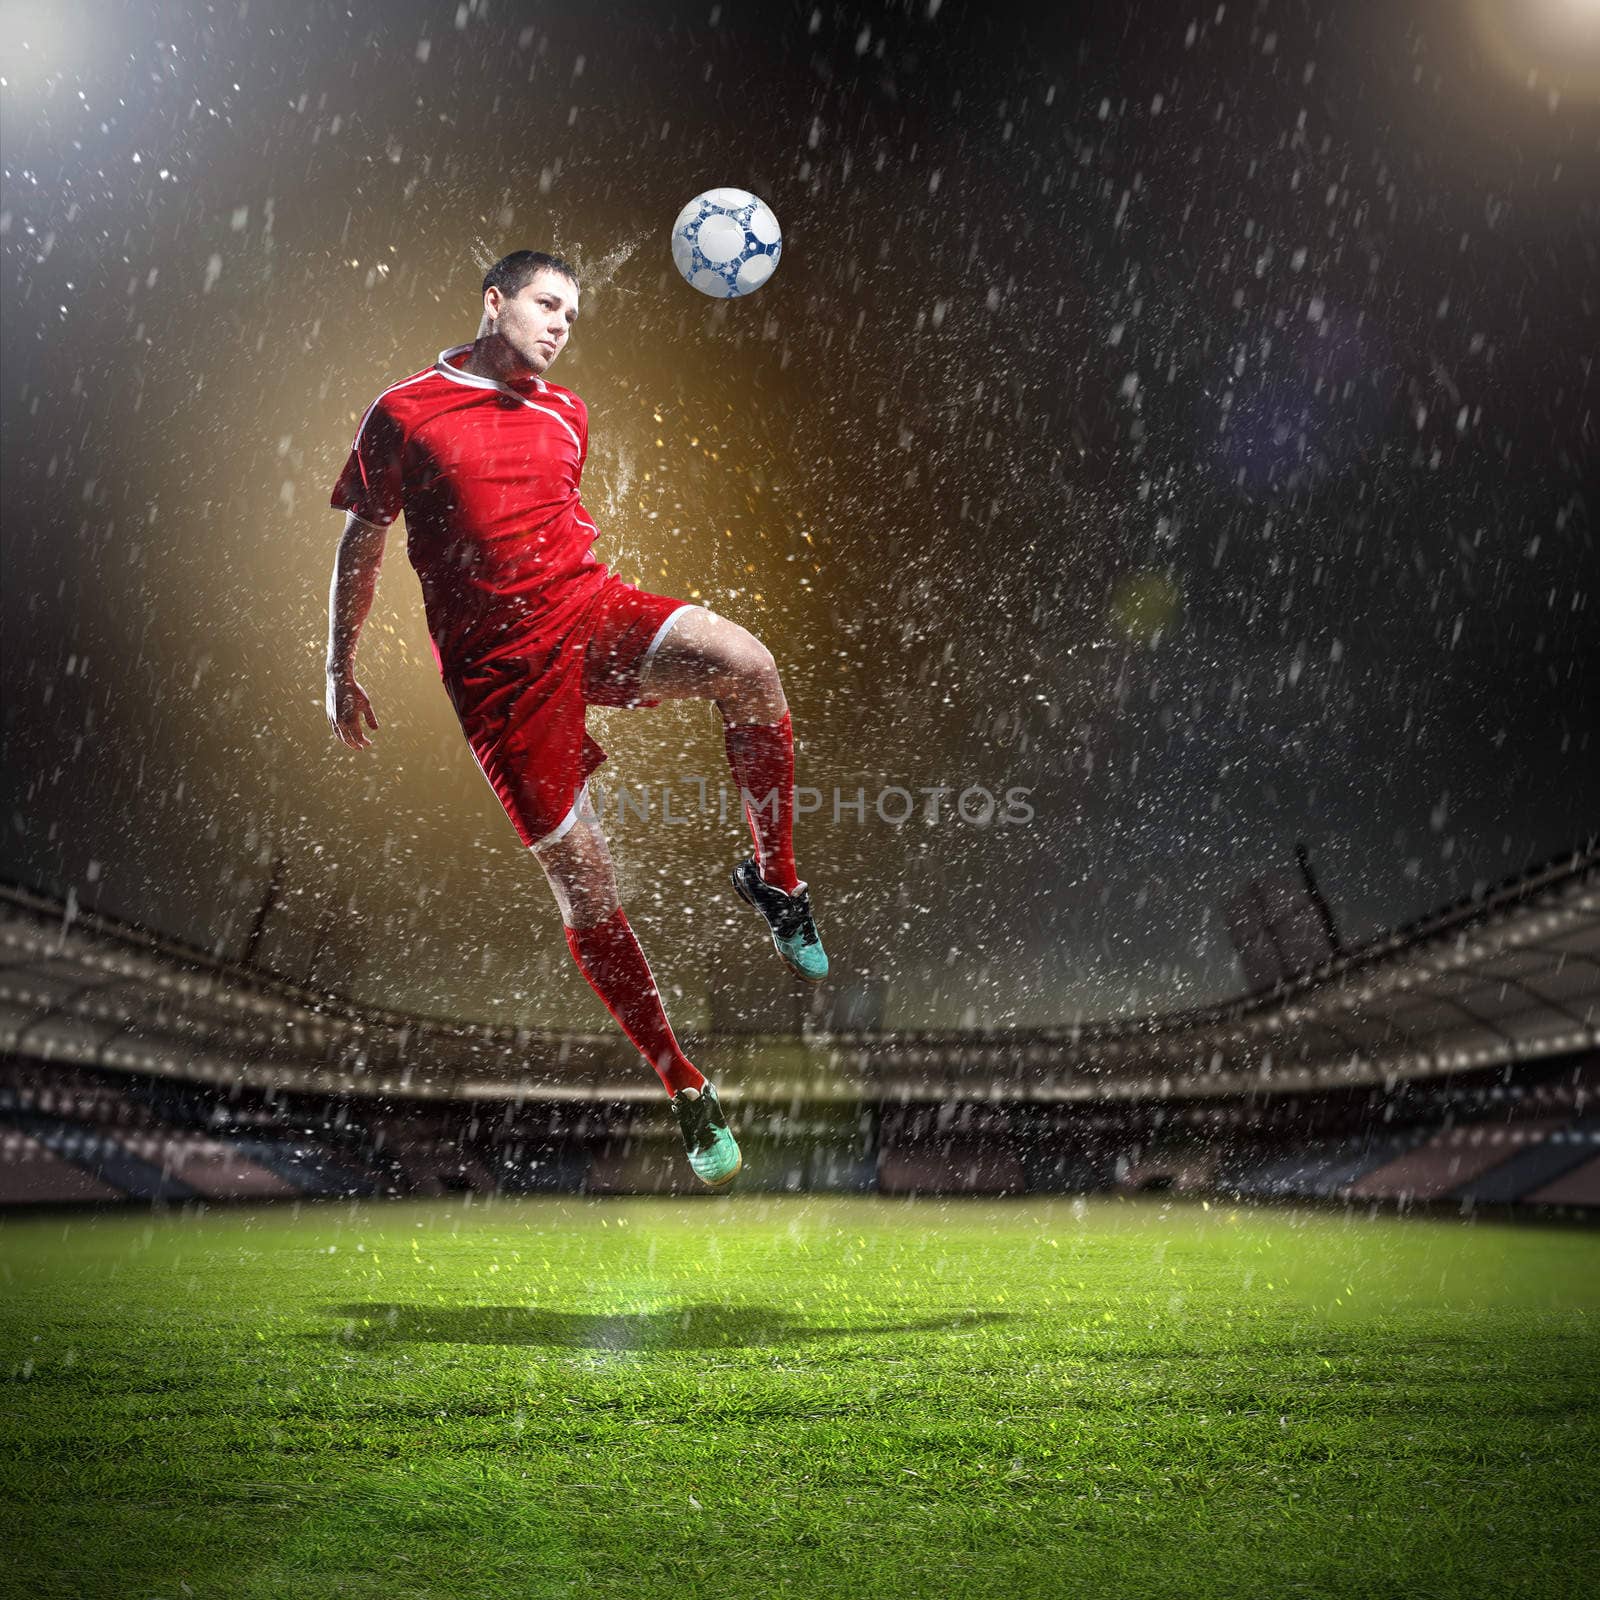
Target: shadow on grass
x=696, y=1327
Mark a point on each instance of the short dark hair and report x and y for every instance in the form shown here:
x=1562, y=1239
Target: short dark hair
x=513, y=273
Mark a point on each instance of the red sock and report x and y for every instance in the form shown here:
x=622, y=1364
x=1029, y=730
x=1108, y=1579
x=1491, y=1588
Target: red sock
x=609, y=956
x=762, y=757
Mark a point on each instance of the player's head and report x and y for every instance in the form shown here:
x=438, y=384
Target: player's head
x=530, y=300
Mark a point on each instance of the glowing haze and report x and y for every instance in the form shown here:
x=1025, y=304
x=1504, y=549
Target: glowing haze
x=1181, y=421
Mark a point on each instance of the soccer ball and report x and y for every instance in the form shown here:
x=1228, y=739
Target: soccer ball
x=726, y=243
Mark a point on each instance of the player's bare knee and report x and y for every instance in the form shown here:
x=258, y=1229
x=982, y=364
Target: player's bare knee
x=581, y=899
x=749, y=672
x=762, y=669
x=578, y=867
x=588, y=907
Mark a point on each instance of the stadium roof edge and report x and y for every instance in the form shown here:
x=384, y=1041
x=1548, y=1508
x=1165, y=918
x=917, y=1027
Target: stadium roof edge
x=1567, y=865
x=1510, y=973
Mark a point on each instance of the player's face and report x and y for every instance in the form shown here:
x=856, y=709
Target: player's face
x=538, y=321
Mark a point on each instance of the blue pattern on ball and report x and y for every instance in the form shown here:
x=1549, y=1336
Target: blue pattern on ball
x=692, y=261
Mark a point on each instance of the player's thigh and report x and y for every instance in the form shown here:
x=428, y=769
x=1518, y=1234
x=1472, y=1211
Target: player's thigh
x=578, y=865
x=703, y=655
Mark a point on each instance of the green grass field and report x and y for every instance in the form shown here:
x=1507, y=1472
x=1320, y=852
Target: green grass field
x=809, y=1397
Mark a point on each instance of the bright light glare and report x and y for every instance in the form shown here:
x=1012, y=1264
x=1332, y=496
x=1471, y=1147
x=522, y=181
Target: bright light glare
x=1551, y=47
x=36, y=38
x=49, y=46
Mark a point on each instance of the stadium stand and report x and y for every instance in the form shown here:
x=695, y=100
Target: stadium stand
x=951, y=1166
x=1578, y=1188
x=1454, y=1063
x=1528, y=1173
x=1318, y=1171
x=105, y=1156
x=211, y=1169
x=1448, y=1161
x=31, y=1174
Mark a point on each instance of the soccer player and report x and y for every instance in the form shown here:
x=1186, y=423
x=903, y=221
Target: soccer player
x=484, y=455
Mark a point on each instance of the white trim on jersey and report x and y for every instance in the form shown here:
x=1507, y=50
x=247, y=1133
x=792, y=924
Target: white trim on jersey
x=563, y=827
x=673, y=617
x=473, y=381
x=539, y=383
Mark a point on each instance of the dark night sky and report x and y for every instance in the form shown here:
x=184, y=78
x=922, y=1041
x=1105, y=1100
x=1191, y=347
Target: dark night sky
x=1184, y=412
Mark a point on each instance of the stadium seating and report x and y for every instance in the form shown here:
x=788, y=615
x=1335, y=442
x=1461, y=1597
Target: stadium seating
x=1579, y=1188
x=1530, y=1172
x=1450, y=1161
x=963, y=1165
x=1447, y=1063
x=31, y=1174
x=71, y=1135
x=1317, y=1171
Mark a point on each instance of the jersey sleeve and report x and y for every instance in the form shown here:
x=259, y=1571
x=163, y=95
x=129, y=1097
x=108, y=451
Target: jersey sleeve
x=370, y=485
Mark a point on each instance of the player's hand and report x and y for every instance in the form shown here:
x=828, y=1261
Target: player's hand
x=347, y=705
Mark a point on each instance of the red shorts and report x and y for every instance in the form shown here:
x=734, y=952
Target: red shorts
x=523, y=713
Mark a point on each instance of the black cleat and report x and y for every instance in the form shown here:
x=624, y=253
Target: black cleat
x=713, y=1153
x=794, y=933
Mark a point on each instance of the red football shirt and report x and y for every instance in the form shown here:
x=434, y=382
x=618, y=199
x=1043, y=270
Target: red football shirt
x=487, y=475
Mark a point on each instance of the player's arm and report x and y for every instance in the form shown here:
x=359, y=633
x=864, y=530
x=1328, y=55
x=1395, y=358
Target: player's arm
x=355, y=581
